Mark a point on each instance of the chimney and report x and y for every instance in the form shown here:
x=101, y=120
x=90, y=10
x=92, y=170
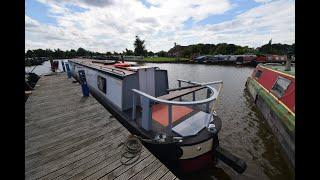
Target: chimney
x=288, y=65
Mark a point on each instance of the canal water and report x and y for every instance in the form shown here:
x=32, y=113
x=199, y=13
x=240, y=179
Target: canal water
x=244, y=131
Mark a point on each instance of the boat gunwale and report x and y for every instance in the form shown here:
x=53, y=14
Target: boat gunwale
x=277, y=71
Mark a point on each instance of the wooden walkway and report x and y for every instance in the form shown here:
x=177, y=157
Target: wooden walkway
x=68, y=136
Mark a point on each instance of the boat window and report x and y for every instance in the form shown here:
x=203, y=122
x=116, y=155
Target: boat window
x=280, y=86
x=258, y=74
x=102, y=85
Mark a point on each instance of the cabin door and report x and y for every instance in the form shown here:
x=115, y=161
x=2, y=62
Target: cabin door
x=147, y=81
x=146, y=85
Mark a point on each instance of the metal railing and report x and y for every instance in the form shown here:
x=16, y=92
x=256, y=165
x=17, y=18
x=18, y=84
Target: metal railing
x=146, y=100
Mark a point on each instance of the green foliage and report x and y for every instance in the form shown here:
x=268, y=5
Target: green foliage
x=150, y=53
x=224, y=48
x=182, y=51
x=280, y=49
x=139, y=47
x=162, y=54
x=59, y=54
x=128, y=52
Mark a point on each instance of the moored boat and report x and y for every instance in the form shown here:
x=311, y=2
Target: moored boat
x=183, y=134
x=272, y=87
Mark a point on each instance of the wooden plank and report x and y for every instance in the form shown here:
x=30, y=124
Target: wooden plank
x=68, y=136
x=71, y=136
x=137, y=168
x=176, y=94
x=61, y=166
x=55, y=153
x=114, y=166
x=87, y=168
x=147, y=170
x=82, y=159
x=161, y=171
x=106, y=174
x=168, y=176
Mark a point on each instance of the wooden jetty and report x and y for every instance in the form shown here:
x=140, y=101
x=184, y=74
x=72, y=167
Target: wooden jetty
x=68, y=136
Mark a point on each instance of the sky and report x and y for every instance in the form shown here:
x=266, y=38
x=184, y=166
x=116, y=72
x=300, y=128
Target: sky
x=111, y=25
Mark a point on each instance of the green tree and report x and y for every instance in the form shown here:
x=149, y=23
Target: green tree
x=128, y=52
x=162, y=54
x=139, y=47
x=29, y=54
x=81, y=52
x=150, y=53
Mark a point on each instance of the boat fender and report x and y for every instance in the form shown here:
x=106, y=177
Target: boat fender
x=230, y=159
x=212, y=128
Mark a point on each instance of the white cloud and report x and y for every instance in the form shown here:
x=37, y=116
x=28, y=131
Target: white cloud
x=262, y=1
x=112, y=26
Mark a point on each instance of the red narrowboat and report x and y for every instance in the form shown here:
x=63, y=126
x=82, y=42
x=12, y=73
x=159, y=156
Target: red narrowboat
x=270, y=58
x=272, y=87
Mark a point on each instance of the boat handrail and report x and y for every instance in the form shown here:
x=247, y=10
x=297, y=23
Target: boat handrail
x=147, y=99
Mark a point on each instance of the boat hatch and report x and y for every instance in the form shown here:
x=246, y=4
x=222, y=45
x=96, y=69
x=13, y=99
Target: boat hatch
x=193, y=125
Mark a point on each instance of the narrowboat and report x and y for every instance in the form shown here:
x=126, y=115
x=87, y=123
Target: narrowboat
x=270, y=58
x=182, y=134
x=272, y=87
x=245, y=59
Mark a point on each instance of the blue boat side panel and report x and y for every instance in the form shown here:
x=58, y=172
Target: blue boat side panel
x=129, y=82
x=193, y=124
x=146, y=113
x=161, y=78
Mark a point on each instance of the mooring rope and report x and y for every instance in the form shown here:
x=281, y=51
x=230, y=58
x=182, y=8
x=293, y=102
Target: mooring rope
x=131, y=150
x=132, y=147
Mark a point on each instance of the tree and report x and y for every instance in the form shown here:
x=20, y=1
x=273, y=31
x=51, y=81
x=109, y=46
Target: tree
x=128, y=52
x=81, y=52
x=162, y=53
x=150, y=53
x=29, y=54
x=139, y=47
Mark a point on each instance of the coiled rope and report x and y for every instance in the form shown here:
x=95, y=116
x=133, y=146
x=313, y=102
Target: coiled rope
x=132, y=147
x=131, y=150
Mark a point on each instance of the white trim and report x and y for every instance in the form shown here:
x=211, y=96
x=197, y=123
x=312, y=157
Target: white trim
x=196, y=150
